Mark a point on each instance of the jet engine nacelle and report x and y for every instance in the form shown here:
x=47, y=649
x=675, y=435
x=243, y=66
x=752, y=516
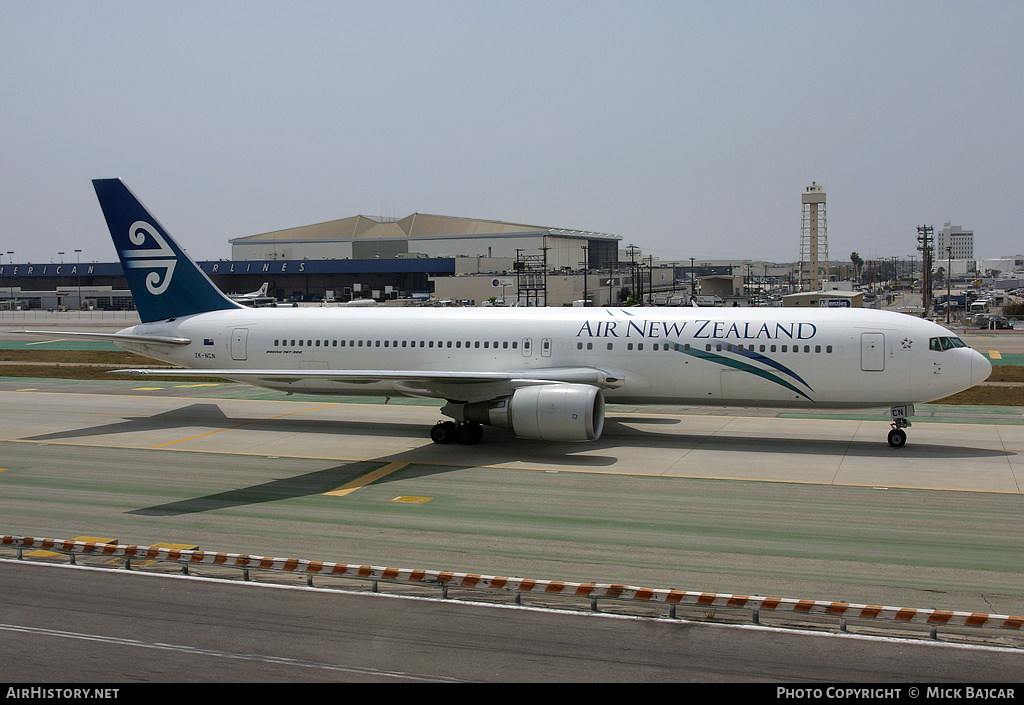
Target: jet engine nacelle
x=547, y=412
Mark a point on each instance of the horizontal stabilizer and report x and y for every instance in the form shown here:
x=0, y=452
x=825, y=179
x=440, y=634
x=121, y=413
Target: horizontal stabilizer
x=108, y=337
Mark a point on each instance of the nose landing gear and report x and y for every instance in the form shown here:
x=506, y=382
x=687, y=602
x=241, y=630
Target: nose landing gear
x=898, y=436
x=900, y=421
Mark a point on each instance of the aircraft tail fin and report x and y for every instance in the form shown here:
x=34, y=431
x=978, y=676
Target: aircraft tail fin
x=164, y=281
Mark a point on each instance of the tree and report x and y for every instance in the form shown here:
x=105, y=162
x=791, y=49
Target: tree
x=857, y=262
x=1014, y=309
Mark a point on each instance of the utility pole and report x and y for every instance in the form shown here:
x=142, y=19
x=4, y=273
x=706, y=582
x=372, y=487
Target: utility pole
x=632, y=251
x=585, y=264
x=924, y=237
x=650, y=276
x=949, y=279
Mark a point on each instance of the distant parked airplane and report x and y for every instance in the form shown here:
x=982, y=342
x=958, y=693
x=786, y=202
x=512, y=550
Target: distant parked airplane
x=260, y=293
x=544, y=373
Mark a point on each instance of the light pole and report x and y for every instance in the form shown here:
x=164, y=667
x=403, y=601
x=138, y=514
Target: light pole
x=60, y=268
x=10, y=256
x=78, y=276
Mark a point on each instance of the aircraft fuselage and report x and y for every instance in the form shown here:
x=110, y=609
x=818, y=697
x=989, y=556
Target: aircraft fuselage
x=780, y=357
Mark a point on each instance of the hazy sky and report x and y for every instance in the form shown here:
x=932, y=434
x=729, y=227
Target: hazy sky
x=688, y=128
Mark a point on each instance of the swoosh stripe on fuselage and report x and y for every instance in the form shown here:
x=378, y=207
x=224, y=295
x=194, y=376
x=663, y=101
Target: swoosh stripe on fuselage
x=745, y=367
x=772, y=363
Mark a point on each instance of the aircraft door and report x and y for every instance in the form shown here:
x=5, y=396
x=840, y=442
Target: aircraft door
x=239, y=337
x=872, y=352
x=545, y=347
x=527, y=347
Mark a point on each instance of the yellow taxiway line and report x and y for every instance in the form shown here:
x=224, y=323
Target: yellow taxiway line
x=350, y=487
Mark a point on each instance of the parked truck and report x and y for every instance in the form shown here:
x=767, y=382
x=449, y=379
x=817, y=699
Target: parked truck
x=956, y=300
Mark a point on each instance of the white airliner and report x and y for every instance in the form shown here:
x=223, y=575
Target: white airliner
x=260, y=293
x=543, y=373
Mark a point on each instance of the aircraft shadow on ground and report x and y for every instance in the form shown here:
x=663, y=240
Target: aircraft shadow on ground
x=211, y=417
x=500, y=446
x=308, y=484
x=619, y=434
x=649, y=420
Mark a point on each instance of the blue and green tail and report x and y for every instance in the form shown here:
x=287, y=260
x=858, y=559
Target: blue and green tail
x=164, y=281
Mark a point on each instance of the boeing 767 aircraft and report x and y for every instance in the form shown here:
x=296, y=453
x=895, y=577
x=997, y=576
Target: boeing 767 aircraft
x=543, y=373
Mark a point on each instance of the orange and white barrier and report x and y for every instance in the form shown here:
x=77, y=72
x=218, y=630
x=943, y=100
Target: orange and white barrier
x=593, y=591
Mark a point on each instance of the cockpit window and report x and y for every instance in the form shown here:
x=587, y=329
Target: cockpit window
x=945, y=343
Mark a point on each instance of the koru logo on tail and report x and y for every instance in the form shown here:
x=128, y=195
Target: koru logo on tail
x=160, y=257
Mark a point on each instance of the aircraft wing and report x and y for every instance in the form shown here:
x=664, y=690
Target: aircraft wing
x=435, y=383
x=107, y=337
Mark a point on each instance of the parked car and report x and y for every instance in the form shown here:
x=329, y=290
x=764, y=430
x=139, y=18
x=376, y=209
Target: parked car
x=991, y=321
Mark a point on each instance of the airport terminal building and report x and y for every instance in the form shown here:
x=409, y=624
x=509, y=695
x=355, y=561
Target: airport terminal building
x=101, y=285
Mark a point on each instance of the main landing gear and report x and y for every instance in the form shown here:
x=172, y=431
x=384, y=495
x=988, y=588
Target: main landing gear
x=465, y=433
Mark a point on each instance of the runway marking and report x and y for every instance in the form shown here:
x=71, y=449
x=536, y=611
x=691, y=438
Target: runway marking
x=196, y=651
x=44, y=342
x=366, y=479
x=408, y=499
x=247, y=423
x=994, y=355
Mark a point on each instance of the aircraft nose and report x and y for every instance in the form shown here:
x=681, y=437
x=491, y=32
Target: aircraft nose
x=981, y=368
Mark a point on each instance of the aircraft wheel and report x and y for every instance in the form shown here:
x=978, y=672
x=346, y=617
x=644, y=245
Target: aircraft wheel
x=897, y=438
x=468, y=433
x=443, y=432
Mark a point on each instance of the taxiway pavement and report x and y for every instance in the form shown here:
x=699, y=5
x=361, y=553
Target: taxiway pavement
x=961, y=452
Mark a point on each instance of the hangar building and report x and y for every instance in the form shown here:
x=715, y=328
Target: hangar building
x=429, y=236
x=356, y=257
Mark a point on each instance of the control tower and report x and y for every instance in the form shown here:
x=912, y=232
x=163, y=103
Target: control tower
x=813, y=240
